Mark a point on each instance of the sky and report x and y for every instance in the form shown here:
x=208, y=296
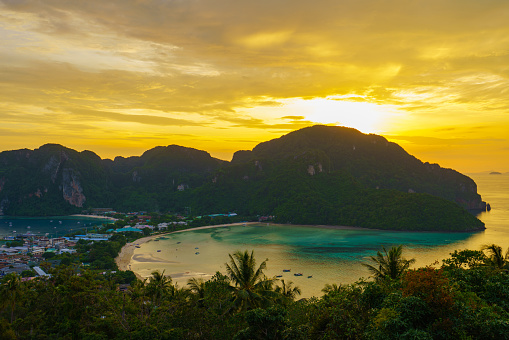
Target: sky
x=119, y=77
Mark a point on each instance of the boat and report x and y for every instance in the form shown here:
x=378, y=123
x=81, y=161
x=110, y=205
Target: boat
x=179, y=242
x=159, y=250
x=297, y=274
x=197, y=252
x=286, y=270
x=310, y=276
x=279, y=275
x=137, y=246
x=196, y=248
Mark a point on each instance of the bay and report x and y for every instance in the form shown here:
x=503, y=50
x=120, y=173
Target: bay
x=55, y=226
x=327, y=255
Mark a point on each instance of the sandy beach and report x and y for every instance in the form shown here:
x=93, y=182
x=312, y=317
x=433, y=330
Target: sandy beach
x=126, y=253
x=324, y=254
x=185, y=261
x=123, y=260
x=95, y=217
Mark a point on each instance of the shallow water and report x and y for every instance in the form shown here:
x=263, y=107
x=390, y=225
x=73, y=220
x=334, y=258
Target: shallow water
x=328, y=255
x=53, y=226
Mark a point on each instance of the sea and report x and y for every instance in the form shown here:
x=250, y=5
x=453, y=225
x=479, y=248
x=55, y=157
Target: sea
x=54, y=226
x=322, y=256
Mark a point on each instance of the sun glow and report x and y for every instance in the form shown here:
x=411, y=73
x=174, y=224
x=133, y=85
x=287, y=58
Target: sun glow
x=363, y=116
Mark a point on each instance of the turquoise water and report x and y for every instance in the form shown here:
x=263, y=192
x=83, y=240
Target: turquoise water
x=328, y=255
x=53, y=226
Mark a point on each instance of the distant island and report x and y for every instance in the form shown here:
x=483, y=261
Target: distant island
x=324, y=175
x=495, y=173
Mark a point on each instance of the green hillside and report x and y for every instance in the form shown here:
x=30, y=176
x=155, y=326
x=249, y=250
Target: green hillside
x=316, y=175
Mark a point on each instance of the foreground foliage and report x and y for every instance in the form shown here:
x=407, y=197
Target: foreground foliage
x=467, y=297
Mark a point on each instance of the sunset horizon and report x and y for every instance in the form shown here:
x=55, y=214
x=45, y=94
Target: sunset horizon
x=121, y=77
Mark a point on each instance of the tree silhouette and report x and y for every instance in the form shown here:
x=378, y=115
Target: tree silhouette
x=250, y=287
x=496, y=255
x=159, y=286
x=288, y=290
x=332, y=288
x=389, y=264
x=197, y=287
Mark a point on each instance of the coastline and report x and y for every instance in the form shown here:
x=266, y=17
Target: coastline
x=95, y=217
x=183, y=266
x=123, y=259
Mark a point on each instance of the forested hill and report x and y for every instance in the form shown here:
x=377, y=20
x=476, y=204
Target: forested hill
x=370, y=159
x=55, y=180
x=316, y=175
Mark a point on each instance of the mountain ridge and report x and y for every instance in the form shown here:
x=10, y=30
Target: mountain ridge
x=330, y=168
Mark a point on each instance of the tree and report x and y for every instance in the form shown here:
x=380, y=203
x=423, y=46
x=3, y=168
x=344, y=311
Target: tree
x=248, y=283
x=496, y=256
x=197, y=287
x=332, y=288
x=433, y=287
x=10, y=291
x=267, y=323
x=389, y=265
x=465, y=259
x=288, y=291
x=159, y=286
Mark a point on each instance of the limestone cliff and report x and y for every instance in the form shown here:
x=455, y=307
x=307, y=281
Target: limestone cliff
x=71, y=188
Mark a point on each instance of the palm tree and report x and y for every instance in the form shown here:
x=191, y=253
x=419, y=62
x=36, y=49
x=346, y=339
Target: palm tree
x=288, y=291
x=251, y=288
x=138, y=285
x=496, y=256
x=389, y=265
x=159, y=286
x=332, y=288
x=197, y=287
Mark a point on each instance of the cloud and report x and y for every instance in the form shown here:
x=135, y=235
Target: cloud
x=209, y=64
x=293, y=117
x=435, y=141
x=142, y=119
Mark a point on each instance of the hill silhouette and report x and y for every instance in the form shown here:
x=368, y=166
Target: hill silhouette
x=316, y=175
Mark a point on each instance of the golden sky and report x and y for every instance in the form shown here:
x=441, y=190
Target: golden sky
x=121, y=76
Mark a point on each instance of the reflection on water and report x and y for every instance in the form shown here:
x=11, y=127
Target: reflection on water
x=329, y=255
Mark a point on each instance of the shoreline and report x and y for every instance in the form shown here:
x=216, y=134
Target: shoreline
x=124, y=257
x=95, y=217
